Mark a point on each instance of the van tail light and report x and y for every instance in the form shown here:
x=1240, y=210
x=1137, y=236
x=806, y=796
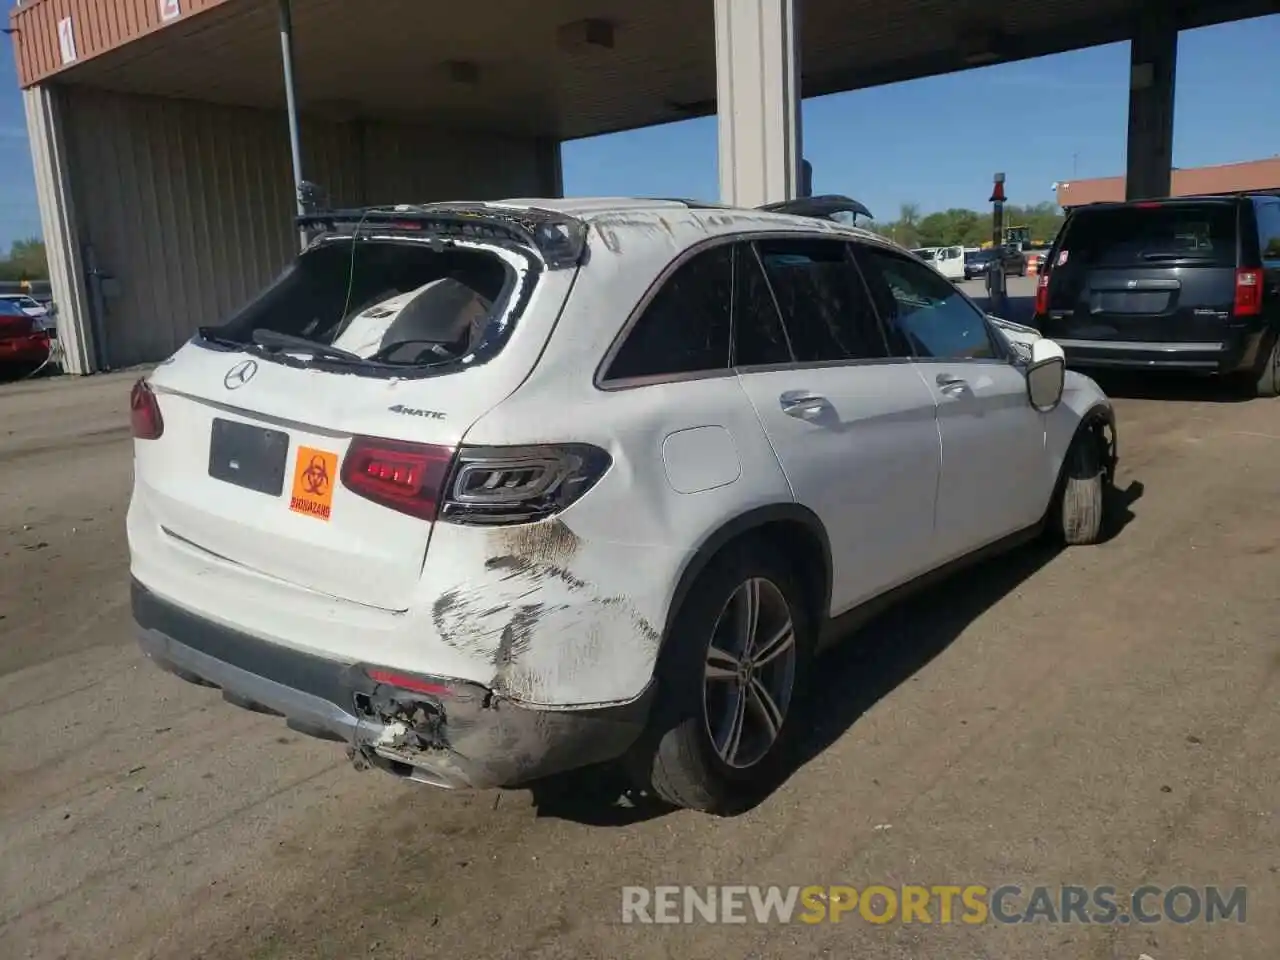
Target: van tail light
x=144, y=412
x=1248, y=293
x=407, y=477
x=474, y=485
x=1042, y=294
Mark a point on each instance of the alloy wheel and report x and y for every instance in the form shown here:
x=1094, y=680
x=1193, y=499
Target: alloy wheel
x=750, y=673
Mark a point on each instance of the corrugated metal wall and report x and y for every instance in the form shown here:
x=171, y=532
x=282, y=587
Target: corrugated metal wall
x=189, y=206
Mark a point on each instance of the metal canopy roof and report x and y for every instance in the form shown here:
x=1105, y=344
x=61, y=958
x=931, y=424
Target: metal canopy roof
x=512, y=64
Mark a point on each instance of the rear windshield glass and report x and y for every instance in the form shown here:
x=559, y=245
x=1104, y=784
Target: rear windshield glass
x=1147, y=236
x=385, y=302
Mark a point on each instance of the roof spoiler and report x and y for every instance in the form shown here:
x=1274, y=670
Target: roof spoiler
x=560, y=239
x=822, y=208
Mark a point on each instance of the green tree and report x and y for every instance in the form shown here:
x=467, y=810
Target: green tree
x=26, y=261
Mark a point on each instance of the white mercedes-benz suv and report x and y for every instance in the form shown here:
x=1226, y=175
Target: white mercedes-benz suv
x=490, y=491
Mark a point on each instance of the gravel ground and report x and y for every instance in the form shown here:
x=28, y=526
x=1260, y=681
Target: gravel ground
x=1099, y=716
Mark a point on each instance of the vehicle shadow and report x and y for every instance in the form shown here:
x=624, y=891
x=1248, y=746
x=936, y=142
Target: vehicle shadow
x=1118, y=512
x=1172, y=387
x=864, y=668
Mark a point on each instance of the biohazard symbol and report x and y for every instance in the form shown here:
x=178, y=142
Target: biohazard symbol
x=316, y=477
x=313, y=474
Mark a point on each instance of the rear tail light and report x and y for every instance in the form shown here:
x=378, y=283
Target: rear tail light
x=1042, y=294
x=475, y=485
x=503, y=485
x=407, y=477
x=1248, y=293
x=144, y=412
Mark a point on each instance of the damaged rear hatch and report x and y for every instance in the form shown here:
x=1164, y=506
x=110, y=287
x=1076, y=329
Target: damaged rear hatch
x=306, y=439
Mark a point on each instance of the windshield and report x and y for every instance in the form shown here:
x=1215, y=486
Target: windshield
x=387, y=302
x=1146, y=235
x=10, y=308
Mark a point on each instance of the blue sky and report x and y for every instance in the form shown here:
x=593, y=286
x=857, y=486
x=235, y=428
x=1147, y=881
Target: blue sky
x=924, y=142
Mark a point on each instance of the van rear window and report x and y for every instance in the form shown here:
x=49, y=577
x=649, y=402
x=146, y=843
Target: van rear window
x=1148, y=236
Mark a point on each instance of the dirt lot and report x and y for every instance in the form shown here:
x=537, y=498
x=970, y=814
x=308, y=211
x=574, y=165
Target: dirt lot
x=1102, y=716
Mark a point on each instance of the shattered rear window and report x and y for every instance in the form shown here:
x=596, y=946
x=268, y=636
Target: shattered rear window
x=384, y=301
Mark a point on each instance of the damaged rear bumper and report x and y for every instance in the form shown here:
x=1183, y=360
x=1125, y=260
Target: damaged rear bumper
x=435, y=730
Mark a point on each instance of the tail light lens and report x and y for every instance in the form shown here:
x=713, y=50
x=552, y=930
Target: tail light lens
x=505, y=485
x=1248, y=293
x=474, y=485
x=144, y=412
x=1042, y=293
x=407, y=477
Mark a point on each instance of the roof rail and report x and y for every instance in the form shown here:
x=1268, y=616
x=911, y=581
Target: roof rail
x=822, y=208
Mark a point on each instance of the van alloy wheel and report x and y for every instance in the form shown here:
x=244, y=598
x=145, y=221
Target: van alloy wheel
x=750, y=673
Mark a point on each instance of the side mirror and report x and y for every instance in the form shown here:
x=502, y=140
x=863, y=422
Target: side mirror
x=1046, y=375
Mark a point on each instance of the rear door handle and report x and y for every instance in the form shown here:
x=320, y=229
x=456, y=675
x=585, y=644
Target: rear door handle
x=803, y=406
x=952, y=386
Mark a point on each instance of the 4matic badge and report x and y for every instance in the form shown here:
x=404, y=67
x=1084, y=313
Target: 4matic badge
x=414, y=412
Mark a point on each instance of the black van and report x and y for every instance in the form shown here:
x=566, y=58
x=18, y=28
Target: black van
x=1190, y=283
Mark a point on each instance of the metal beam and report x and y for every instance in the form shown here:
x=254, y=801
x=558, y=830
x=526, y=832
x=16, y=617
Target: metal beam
x=45, y=107
x=1153, y=68
x=291, y=104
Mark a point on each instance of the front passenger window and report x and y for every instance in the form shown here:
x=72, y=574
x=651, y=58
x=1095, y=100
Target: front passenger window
x=924, y=313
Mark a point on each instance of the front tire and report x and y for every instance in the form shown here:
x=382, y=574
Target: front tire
x=1078, y=510
x=731, y=681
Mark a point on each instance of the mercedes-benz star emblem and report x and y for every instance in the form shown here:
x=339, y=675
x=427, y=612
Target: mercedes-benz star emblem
x=240, y=374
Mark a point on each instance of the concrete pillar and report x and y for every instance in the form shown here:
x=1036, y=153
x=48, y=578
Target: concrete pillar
x=550, y=168
x=758, y=100
x=1153, y=63
x=45, y=107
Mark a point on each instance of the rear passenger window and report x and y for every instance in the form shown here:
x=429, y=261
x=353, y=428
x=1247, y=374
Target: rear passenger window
x=823, y=302
x=759, y=337
x=685, y=327
x=927, y=316
x=1268, y=213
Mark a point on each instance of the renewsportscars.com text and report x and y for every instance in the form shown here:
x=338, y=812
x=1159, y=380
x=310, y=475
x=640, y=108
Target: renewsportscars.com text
x=938, y=904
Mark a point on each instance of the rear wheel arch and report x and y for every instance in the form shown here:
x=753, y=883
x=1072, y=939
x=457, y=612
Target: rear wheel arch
x=792, y=529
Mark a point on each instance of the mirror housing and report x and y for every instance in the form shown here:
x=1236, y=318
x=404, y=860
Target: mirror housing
x=1046, y=375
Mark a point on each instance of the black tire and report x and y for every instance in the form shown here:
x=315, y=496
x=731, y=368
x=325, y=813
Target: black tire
x=677, y=760
x=1077, y=514
x=1267, y=383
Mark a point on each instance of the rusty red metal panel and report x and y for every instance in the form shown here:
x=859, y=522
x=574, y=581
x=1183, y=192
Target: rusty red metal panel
x=1224, y=178
x=46, y=32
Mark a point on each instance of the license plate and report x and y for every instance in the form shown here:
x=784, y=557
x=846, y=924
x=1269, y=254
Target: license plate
x=247, y=456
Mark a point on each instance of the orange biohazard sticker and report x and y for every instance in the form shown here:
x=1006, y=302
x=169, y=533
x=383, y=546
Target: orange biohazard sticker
x=314, y=474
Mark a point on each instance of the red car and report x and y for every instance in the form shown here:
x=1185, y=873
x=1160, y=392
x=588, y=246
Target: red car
x=23, y=340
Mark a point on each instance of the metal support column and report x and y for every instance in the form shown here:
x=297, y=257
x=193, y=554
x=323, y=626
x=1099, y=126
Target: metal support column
x=291, y=104
x=45, y=108
x=1153, y=68
x=758, y=100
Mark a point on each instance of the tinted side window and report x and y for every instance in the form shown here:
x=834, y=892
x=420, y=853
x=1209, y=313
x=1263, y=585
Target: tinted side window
x=1268, y=213
x=927, y=316
x=824, y=304
x=759, y=337
x=685, y=327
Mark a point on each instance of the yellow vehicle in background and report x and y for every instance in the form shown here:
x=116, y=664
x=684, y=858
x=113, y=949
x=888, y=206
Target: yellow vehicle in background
x=1017, y=237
